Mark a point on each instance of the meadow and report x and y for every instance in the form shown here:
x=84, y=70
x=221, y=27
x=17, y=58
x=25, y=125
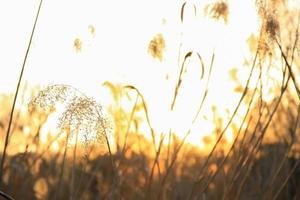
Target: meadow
x=96, y=152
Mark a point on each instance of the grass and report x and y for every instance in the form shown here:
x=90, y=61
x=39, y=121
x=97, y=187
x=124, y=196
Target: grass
x=16, y=96
x=261, y=162
x=144, y=173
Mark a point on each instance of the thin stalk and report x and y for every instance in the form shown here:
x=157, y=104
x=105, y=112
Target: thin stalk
x=129, y=124
x=287, y=179
x=16, y=96
x=204, y=166
x=73, y=168
x=156, y=160
x=6, y=196
x=59, y=185
x=115, y=172
x=168, y=170
x=233, y=144
x=289, y=65
x=260, y=140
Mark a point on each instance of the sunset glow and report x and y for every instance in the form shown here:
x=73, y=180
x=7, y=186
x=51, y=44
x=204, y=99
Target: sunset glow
x=105, y=54
x=207, y=86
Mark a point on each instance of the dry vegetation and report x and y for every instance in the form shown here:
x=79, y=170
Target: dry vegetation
x=262, y=162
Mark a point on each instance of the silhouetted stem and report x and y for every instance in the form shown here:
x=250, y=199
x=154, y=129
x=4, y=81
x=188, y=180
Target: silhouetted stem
x=6, y=196
x=74, y=168
x=16, y=96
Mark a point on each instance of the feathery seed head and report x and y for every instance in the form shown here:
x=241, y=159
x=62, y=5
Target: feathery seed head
x=48, y=98
x=81, y=115
x=157, y=46
x=218, y=10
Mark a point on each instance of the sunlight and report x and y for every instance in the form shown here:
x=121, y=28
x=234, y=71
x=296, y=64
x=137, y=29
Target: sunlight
x=26, y=130
x=55, y=147
x=142, y=70
x=149, y=99
x=218, y=37
x=104, y=56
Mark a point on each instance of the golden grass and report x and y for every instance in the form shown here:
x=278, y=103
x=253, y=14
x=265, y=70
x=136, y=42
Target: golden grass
x=261, y=162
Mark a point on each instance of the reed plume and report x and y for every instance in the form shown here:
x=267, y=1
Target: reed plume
x=81, y=115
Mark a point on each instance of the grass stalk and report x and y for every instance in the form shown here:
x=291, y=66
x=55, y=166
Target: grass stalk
x=16, y=96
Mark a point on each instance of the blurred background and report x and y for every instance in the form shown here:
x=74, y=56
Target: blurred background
x=150, y=100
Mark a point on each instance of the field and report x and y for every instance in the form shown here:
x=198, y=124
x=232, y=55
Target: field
x=59, y=142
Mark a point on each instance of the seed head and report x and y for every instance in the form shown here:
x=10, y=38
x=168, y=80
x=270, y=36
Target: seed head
x=271, y=26
x=157, y=46
x=81, y=116
x=218, y=10
x=48, y=98
x=84, y=116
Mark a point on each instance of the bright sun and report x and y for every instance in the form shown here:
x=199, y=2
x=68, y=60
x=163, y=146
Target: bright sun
x=112, y=45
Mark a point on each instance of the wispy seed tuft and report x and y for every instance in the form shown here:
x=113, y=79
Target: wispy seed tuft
x=48, y=98
x=218, y=10
x=84, y=116
x=81, y=116
x=157, y=47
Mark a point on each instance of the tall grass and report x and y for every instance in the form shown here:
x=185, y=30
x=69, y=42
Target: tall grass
x=164, y=166
x=16, y=96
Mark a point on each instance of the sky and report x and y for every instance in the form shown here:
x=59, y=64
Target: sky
x=118, y=52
